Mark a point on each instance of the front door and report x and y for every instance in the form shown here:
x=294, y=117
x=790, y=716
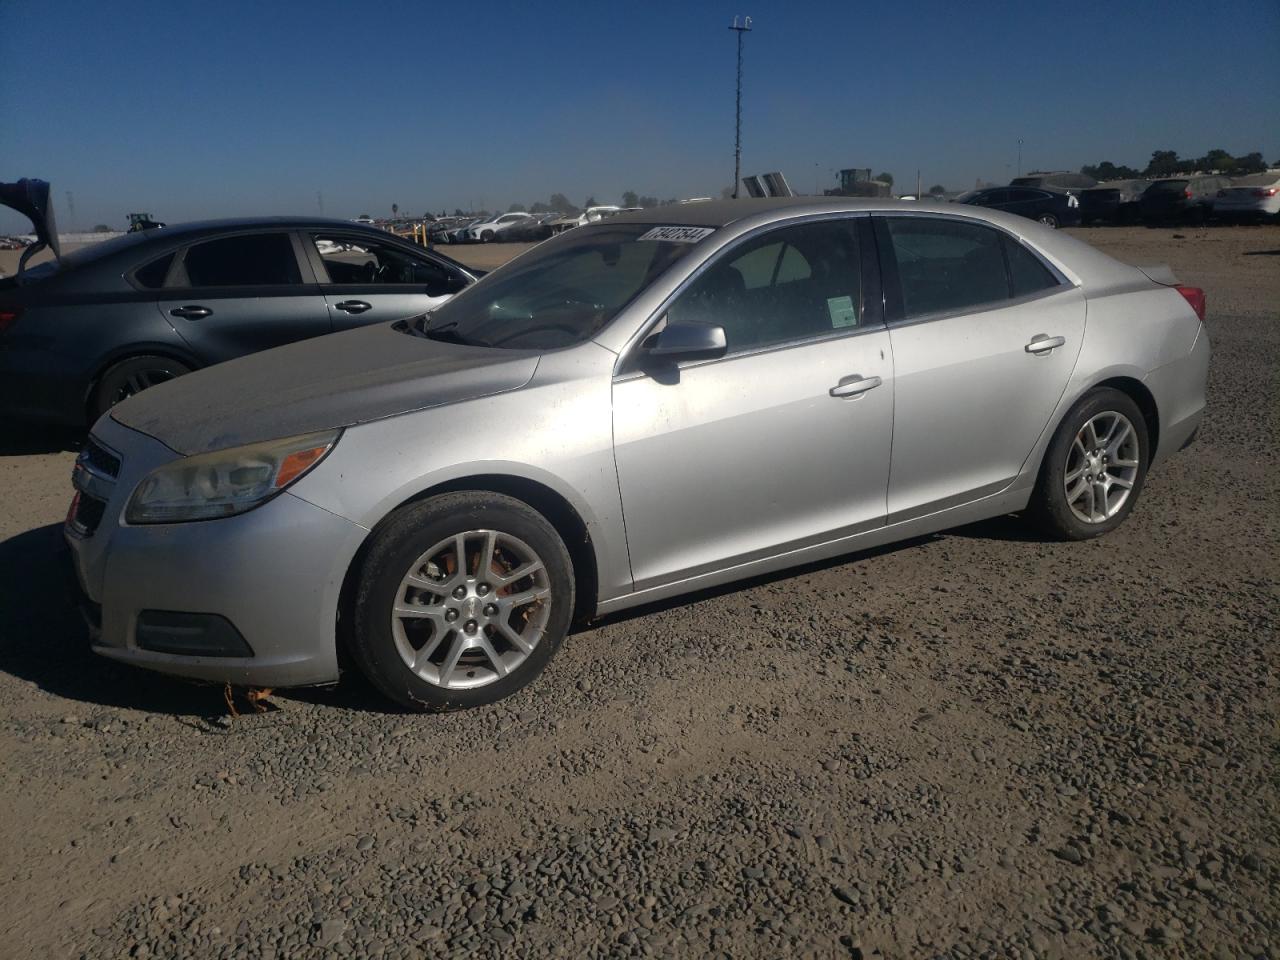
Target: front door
x=780, y=444
x=238, y=294
x=985, y=338
x=366, y=281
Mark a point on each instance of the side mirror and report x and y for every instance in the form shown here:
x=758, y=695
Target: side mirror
x=686, y=341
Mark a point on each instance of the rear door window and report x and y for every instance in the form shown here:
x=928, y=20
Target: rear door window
x=251, y=260
x=1027, y=274
x=946, y=266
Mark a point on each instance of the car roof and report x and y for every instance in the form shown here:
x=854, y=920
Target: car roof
x=253, y=223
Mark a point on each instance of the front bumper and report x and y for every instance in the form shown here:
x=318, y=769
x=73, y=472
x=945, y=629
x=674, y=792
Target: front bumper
x=275, y=574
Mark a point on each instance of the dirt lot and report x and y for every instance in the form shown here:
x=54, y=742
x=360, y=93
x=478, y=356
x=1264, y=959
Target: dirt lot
x=971, y=745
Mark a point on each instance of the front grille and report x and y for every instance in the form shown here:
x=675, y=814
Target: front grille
x=100, y=458
x=94, y=478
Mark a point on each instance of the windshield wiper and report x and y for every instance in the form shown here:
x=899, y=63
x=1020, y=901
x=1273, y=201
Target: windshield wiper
x=446, y=333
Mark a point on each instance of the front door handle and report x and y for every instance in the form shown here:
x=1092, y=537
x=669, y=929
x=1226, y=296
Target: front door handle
x=191, y=312
x=854, y=386
x=353, y=306
x=1042, y=343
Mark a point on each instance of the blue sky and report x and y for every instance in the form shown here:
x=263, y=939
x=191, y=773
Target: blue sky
x=190, y=109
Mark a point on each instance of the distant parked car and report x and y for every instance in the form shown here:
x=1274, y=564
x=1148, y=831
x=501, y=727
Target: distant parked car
x=1050, y=207
x=1256, y=197
x=460, y=231
x=537, y=227
x=1115, y=201
x=487, y=230
x=80, y=333
x=1055, y=181
x=1181, y=199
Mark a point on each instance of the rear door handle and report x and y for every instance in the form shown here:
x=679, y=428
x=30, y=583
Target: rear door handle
x=1042, y=343
x=353, y=306
x=854, y=386
x=191, y=312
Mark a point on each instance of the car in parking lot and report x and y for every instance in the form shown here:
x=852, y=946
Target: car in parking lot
x=1115, y=201
x=1049, y=207
x=1181, y=199
x=82, y=332
x=661, y=402
x=1252, y=198
x=485, y=231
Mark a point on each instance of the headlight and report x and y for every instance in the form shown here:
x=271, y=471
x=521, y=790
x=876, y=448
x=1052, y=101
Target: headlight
x=227, y=482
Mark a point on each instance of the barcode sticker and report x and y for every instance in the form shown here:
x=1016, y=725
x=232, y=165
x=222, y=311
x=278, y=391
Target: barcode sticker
x=677, y=234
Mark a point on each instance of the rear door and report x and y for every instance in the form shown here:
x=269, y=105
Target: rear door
x=233, y=295
x=367, y=281
x=985, y=336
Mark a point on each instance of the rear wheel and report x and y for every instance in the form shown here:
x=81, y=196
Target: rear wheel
x=462, y=600
x=129, y=377
x=1049, y=220
x=1094, y=468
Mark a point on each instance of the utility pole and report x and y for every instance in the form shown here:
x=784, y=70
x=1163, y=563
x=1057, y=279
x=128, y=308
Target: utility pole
x=1019, y=156
x=71, y=211
x=737, y=122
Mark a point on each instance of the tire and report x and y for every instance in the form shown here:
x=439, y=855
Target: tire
x=1049, y=220
x=1060, y=515
x=418, y=542
x=128, y=377
x=486, y=237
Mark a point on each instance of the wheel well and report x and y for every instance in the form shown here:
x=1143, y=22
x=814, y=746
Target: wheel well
x=555, y=508
x=1139, y=394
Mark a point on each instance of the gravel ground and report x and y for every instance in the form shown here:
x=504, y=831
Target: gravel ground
x=971, y=745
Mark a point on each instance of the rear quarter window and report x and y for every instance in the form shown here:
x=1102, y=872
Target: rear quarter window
x=151, y=275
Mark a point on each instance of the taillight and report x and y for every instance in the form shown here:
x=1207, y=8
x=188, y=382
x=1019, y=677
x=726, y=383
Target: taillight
x=9, y=316
x=1187, y=194
x=1265, y=192
x=1194, y=296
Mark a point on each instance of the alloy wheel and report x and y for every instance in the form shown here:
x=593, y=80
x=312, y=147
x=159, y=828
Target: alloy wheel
x=471, y=609
x=1102, y=467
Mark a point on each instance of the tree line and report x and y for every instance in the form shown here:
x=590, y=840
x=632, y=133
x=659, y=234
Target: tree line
x=1167, y=163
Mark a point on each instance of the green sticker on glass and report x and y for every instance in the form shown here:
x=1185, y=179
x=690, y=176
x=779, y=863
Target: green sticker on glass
x=842, y=312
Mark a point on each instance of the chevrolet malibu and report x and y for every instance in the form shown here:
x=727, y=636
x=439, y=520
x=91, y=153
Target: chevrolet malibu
x=640, y=408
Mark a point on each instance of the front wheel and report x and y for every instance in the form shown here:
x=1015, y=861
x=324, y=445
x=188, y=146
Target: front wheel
x=462, y=600
x=1049, y=220
x=1094, y=468
x=486, y=237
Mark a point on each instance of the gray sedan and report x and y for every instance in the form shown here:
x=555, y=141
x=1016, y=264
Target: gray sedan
x=662, y=402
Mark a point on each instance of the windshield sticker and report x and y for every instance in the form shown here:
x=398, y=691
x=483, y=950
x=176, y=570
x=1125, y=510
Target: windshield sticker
x=842, y=312
x=677, y=234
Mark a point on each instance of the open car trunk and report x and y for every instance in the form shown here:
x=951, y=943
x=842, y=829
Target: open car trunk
x=31, y=199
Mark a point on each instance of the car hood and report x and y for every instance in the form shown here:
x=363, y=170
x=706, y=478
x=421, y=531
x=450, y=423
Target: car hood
x=331, y=381
x=31, y=199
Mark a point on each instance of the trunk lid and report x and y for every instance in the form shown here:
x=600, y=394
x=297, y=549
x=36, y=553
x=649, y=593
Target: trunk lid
x=31, y=199
x=332, y=381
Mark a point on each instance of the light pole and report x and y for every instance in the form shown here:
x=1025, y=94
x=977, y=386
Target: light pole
x=1019, y=156
x=737, y=121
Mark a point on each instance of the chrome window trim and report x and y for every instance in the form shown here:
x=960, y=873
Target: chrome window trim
x=979, y=308
x=634, y=374
x=621, y=367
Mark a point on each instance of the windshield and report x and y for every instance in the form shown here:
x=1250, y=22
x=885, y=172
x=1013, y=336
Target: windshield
x=559, y=294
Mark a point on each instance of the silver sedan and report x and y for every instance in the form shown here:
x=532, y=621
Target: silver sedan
x=662, y=402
